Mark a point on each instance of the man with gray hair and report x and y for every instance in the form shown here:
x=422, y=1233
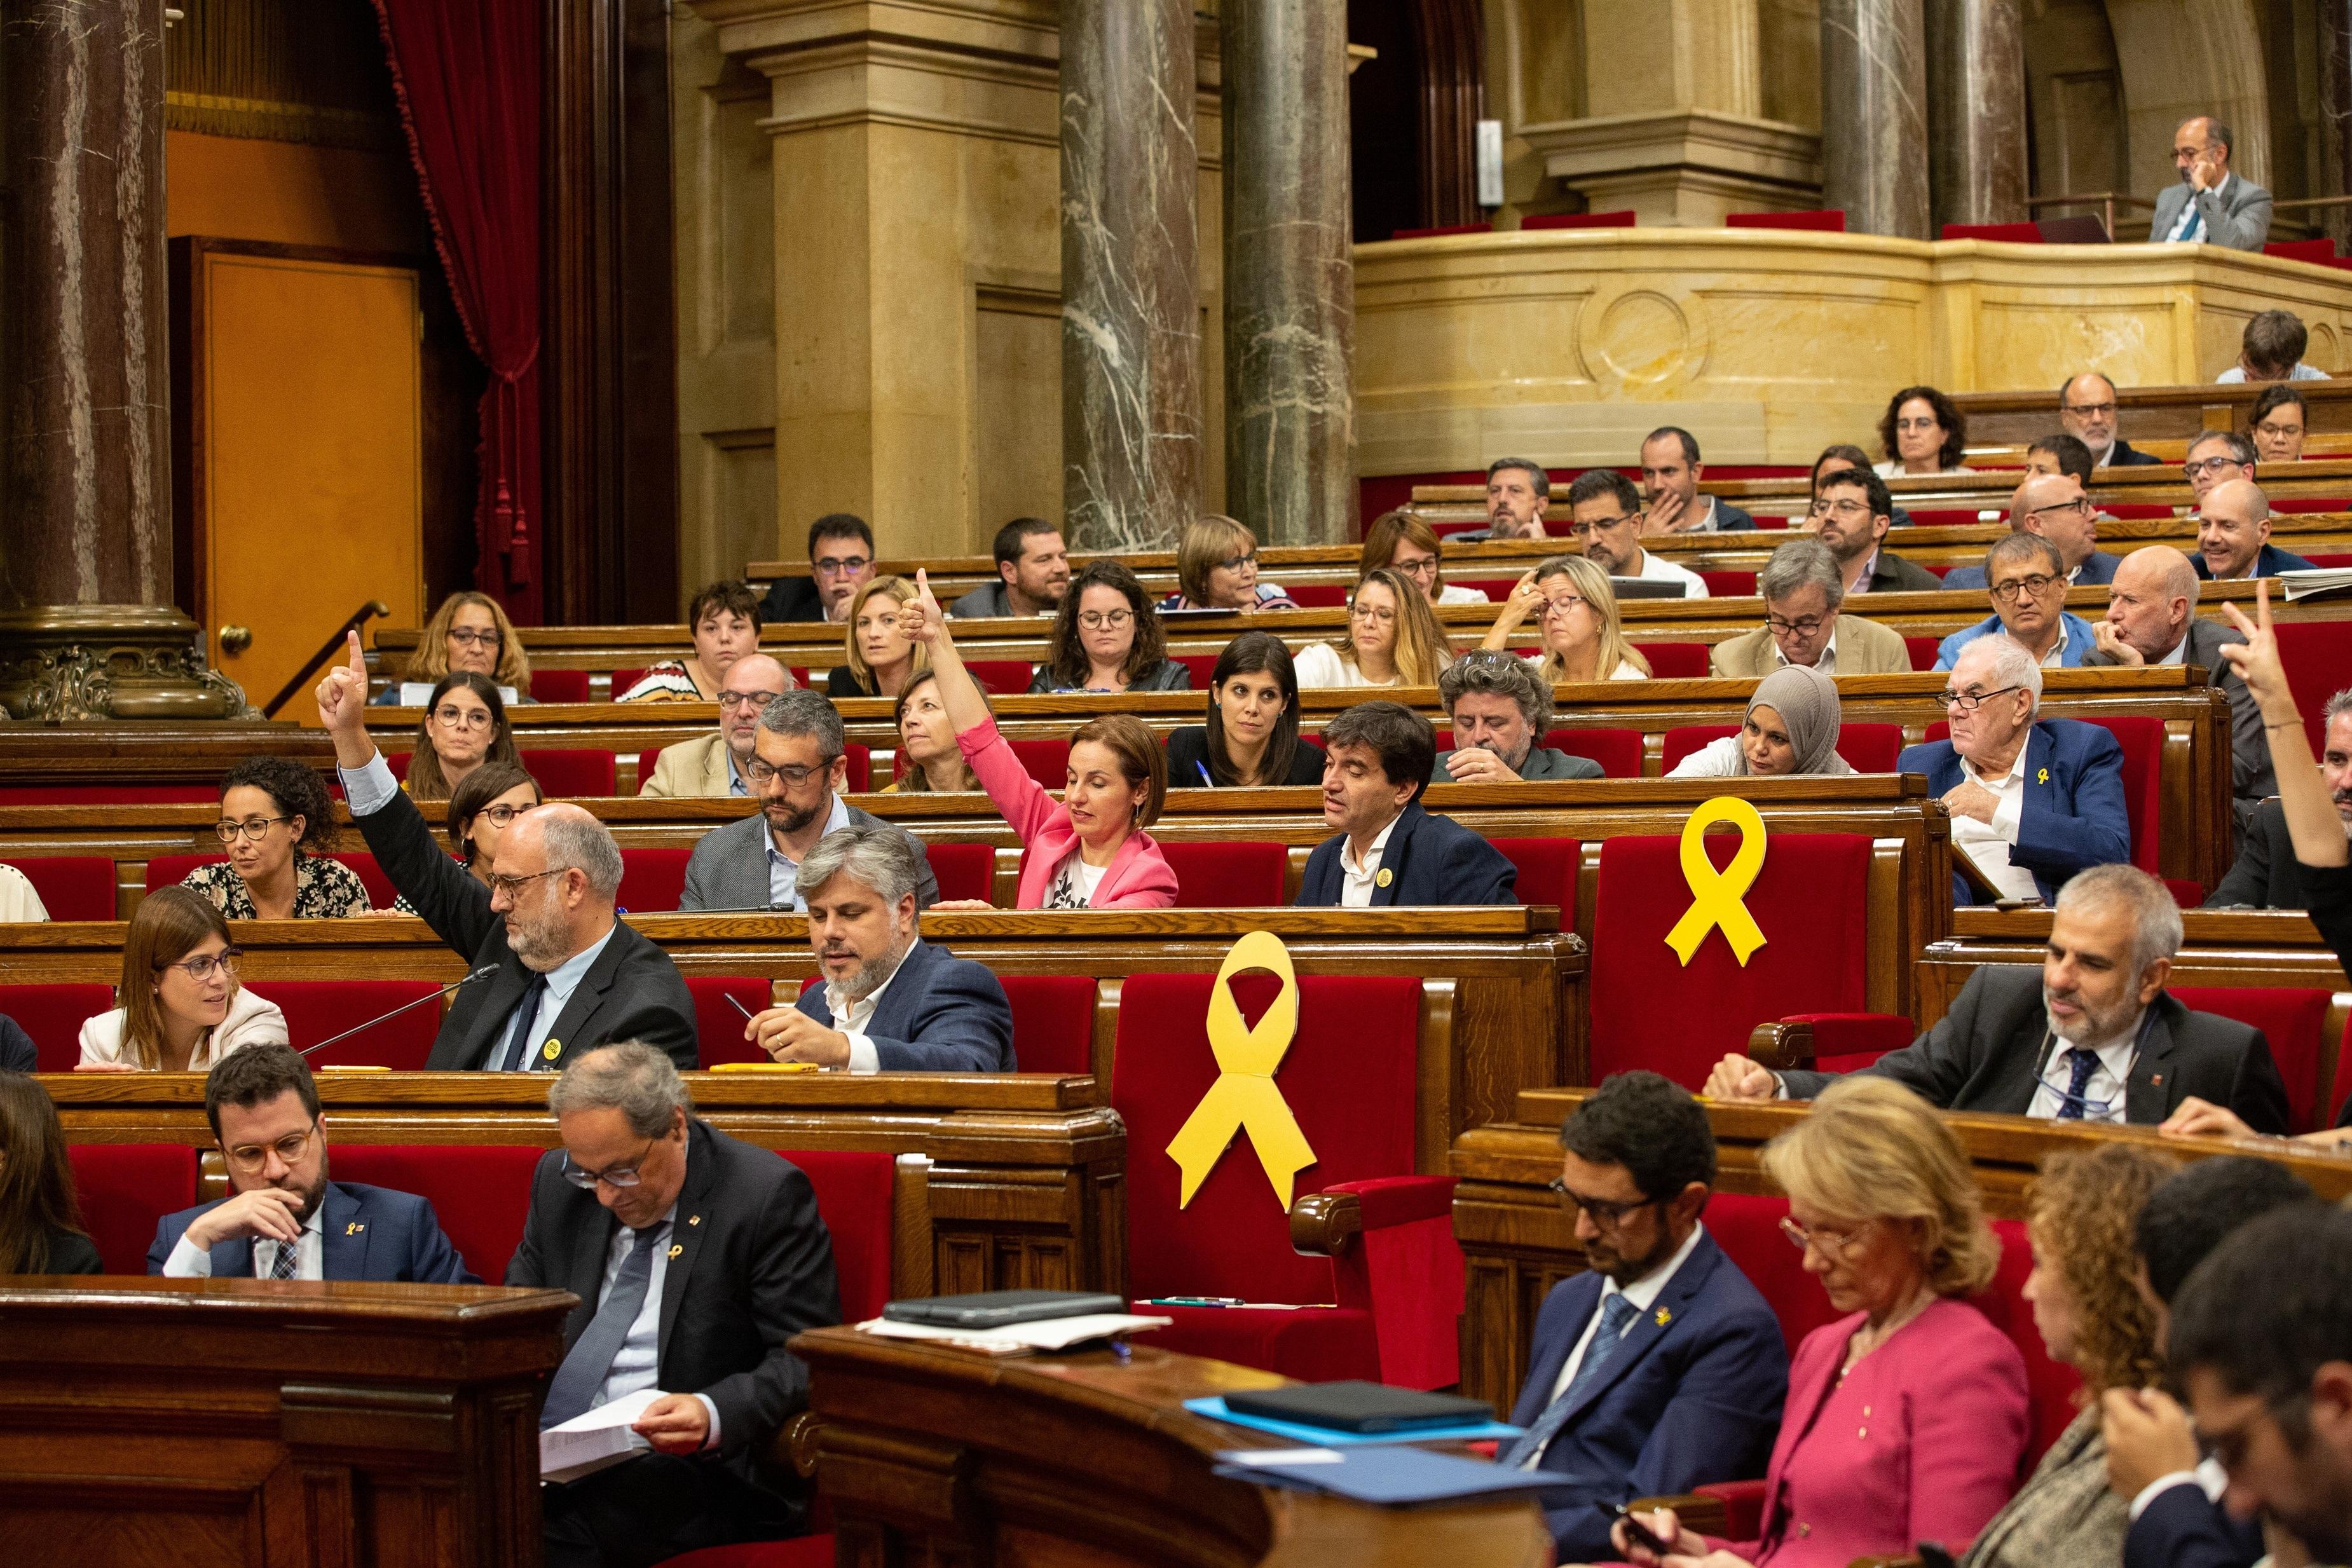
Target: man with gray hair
x=1803, y=593
x=564, y=974
x=798, y=763
x=2025, y=578
x=1500, y=711
x=696, y=1258
x=2094, y=1036
x=891, y=1002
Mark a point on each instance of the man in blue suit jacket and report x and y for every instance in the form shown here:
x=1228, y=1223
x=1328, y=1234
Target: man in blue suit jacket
x=1660, y=1368
x=285, y=1220
x=2028, y=590
x=891, y=1002
x=2233, y=535
x=1389, y=850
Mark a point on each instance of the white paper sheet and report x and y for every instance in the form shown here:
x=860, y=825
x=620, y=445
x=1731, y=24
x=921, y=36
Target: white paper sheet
x=1047, y=1334
x=592, y=1440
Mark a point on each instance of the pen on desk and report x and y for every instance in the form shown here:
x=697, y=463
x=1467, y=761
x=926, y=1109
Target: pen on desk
x=1194, y=1302
x=1205, y=780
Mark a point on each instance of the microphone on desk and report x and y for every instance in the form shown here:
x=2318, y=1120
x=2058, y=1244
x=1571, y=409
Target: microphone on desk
x=420, y=1001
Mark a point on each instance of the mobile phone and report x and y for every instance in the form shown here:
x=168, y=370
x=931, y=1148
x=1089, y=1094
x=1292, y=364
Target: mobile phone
x=1639, y=1533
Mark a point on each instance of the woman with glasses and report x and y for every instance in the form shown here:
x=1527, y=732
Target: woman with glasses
x=1217, y=569
x=1908, y=1417
x=1791, y=728
x=2277, y=423
x=879, y=657
x=465, y=725
x=1922, y=432
x=724, y=621
x=480, y=809
x=277, y=825
x=469, y=632
x=40, y=1218
x=1582, y=638
x=182, y=1008
x=1407, y=546
x=930, y=760
x=1107, y=639
x=1394, y=640
x=1251, y=740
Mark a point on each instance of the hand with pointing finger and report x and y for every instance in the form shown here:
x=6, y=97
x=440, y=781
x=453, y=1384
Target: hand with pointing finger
x=342, y=707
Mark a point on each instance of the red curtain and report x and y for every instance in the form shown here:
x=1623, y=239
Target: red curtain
x=467, y=75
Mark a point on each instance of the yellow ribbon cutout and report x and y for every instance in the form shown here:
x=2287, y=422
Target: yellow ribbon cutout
x=1716, y=895
x=1243, y=1098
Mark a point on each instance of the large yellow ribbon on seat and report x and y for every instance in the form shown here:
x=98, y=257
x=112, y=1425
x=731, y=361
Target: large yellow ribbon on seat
x=1716, y=895
x=1243, y=1098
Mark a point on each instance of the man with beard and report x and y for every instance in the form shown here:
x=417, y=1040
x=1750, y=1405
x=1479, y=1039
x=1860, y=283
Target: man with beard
x=1852, y=511
x=2097, y=1039
x=1660, y=1368
x=2264, y=877
x=891, y=1002
x=798, y=766
x=1517, y=491
x=284, y=1219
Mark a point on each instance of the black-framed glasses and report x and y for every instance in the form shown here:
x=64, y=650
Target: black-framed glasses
x=611, y=1176
x=2036, y=586
x=1585, y=530
x=1803, y=626
x=2205, y=465
x=1237, y=563
x=2078, y=506
x=2090, y=409
x=200, y=967
x=1968, y=701
x=792, y=773
x=512, y=886
x=473, y=638
x=1606, y=1213
x=290, y=1149
x=841, y=564
x=254, y=828
x=1425, y=567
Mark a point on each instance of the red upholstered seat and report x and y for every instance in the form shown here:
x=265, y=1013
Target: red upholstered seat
x=1831, y=221
x=125, y=1190
x=1053, y=1022
x=1848, y=1042
x=1675, y=661
x=53, y=1016
x=2293, y=1020
x=854, y=1195
x=1317, y=595
x=1729, y=584
x=2306, y=504
x=479, y=1192
x=1619, y=751
x=2008, y=234
x=167, y=871
x=1048, y=761
x=1625, y=220
x=1496, y=589
x=2316, y=655
x=1746, y=1226
x=72, y=887
x=319, y=1010
x=1203, y=665
x=559, y=685
x=805, y=1552
x=2331, y=562
x=566, y=773
x=1922, y=651
x=965, y=870
x=1546, y=873
x=717, y=1025
x=2319, y=251
x=652, y=880
x=622, y=680
x=1002, y=677
x=1234, y=875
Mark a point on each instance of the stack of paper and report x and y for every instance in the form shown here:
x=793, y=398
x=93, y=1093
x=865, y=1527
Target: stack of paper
x=589, y=1443
x=1045, y=1333
x=2318, y=582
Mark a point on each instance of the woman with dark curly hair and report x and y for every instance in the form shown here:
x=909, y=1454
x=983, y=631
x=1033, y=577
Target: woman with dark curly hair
x=277, y=823
x=1922, y=432
x=1107, y=638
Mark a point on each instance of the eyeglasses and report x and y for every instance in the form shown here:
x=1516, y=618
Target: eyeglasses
x=1582, y=531
x=1425, y=567
x=290, y=1149
x=731, y=701
x=1565, y=604
x=500, y=816
x=793, y=774
x=612, y=1175
x=1831, y=1243
x=1915, y=426
x=2077, y=506
x=1606, y=1213
x=2092, y=410
x=1371, y=613
x=841, y=564
x=1968, y=701
x=1803, y=626
x=474, y=638
x=1238, y=562
x=2034, y=586
x=457, y=717
x=1847, y=511
x=200, y=967
x=1105, y=620
x=2204, y=465
x=254, y=828
x=512, y=885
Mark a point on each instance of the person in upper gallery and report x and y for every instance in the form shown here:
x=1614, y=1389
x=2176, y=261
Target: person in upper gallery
x=20, y=902
x=2026, y=580
x=278, y=825
x=696, y=1258
x=568, y=974
x=1388, y=850
x=891, y=1002
x=180, y=1008
x=713, y=764
x=1852, y=512
x=929, y=758
x=2233, y=534
x=1803, y=593
x=1393, y=639
x=2053, y=506
x=2080, y=1214
x=841, y=560
x=1838, y=459
x=1605, y=516
x=724, y=621
x=464, y=727
x=1499, y=712
x=1517, y=491
x=1671, y=471
x=1107, y=638
x=284, y=1218
x=1583, y=640
x=877, y=655
x=1250, y=740
x=469, y=633
x=1217, y=569
x=1089, y=849
x=41, y=1217
x=1032, y=573
x=2212, y=205
x=1791, y=728
x=2265, y=874
x=2214, y=458
x=1883, y=1206
x=1660, y=1367
x=2086, y=411
x=799, y=765
x=1922, y=432
x=2093, y=1036
x=481, y=809
x=2277, y=423
x=1410, y=547
x=2272, y=350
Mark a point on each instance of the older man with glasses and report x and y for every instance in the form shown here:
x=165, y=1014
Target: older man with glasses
x=714, y=764
x=2051, y=503
x=1803, y=593
x=2086, y=411
x=2027, y=585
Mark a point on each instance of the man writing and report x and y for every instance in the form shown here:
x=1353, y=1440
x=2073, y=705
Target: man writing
x=1032, y=573
x=1803, y=593
x=1387, y=851
x=1499, y=709
x=713, y=764
x=1852, y=511
x=2233, y=535
x=2054, y=506
x=1670, y=474
x=1605, y=514
x=841, y=560
x=2027, y=585
x=2086, y=411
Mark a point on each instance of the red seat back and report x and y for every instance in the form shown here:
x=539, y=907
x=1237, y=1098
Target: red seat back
x=1496, y=589
x=652, y=880
x=1746, y=1226
x=2010, y=234
x=1053, y=1022
x=1317, y=595
x=648, y=760
x=2142, y=740
x=319, y=1010
x=1002, y=677
x=2316, y=655
x=480, y=1193
x=1922, y=651
x=1046, y=761
x=569, y=773
x=1831, y=221
x=1619, y=751
x=559, y=685
x=2051, y=1385
x=1625, y=220
x=53, y=1016
x=1680, y=742
x=1729, y=584
x=2291, y=1020
x=622, y=680
x=2321, y=251
x=1203, y=665
x=1675, y=661
x=169, y=870
x=717, y=1025
x=965, y=870
x=72, y=887
x=854, y=1195
x=125, y=1190
x=1546, y=873
x=1233, y=875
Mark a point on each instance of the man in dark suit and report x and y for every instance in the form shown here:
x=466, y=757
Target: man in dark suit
x=696, y=1258
x=1852, y=511
x=568, y=975
x=1499, y=710
x=1660, y=1368
x=17, y=1054
x=2233, y=535
x=841, y=559
x=1671, y=471
x=2053, y=506
x=891, y=1002
x=2092, y=1037
x=284, y=1219
x=2267, y=874
x=2086, y=410
x=1388, y=850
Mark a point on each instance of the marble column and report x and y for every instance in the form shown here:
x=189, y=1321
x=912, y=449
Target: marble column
x=1130, y=287
x=1290, y=274
x=1875, y=115
x=1976, y=112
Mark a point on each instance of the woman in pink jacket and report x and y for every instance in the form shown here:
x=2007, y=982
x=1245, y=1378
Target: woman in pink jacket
x=1907, y=1420
x=1087, y=851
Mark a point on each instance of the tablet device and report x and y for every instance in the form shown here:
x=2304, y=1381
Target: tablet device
x=996, y=1309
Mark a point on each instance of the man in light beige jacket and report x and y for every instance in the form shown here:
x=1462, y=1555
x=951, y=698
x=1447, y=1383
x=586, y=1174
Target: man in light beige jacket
x=1802, y=589
x=713, y=764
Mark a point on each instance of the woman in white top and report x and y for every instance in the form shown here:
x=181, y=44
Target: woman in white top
x=724, y=620
x=1582, y=638
x=1922, y=432
x=1791, y=728
x=1409, y=546
x=20, y=902
x=1394, y=640
x=182, y=1007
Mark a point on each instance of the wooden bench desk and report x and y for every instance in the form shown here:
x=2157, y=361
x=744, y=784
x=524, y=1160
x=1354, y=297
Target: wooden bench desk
x=2177, y=412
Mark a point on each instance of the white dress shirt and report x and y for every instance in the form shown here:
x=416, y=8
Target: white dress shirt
x=21, y=903
x=2208, y=1478
x=851, y=1019
x=2107, y=1083
x=1642, y=1292
x=1657, y=569
x=562, y=981
x=785, y=876
x=1826, y=664
x=190, y=1261
x=2188, y=212
x=1988, y=846
x=637, y=1365
x=1319, y=666
x=1357, y=881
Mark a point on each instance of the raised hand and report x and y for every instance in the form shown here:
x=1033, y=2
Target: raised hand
x=920, y=617
x=2256, y=659
x=343, y=694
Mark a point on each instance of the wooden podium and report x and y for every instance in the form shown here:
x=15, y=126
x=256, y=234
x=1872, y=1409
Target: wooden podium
x=243, y=1422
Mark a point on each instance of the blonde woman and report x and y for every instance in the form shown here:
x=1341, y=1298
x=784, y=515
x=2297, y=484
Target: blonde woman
x=469, y=633
x=1394, y=640
x=1217, y=569
x=1582, y=638
x=933, y=762
x=878, y=657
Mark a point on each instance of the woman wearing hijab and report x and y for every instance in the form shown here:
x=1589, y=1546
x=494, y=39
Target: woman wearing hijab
x=1791, y=727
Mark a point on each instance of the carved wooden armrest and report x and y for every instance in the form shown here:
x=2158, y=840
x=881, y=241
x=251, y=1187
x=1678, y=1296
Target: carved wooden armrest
x=1322, y=1224
x=1781, y=1046
x=1707, y=1515
x=794, y=1449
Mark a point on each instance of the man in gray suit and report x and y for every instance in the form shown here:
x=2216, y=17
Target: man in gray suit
x=2210, y=205
x=1499, y=708
x=798, y=765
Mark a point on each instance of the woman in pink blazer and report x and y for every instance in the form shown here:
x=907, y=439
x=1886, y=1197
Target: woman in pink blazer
x=1907, y=1420
x=1087, y=851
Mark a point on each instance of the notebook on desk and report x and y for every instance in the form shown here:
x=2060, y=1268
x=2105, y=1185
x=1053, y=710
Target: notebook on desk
x=1357, y=1407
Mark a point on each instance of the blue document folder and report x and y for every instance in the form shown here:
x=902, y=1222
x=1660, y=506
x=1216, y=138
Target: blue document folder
x=1214, y=1407
x=1388, y=1474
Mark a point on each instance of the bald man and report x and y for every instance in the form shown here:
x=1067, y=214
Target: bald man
x=713, y=764
x=2053, y=505
x=2233, y=535
x=565, y=974
x=2212, y=205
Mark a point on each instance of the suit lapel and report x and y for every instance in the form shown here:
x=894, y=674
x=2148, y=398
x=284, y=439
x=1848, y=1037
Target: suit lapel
x=343, y=1236
x=571, y=1024
x=1651, y=1328
x=506, y=991
x=2027, y=1056
x=693, y=1222
x=894, y=1014
x=1388, y=881
x=2145, y=1097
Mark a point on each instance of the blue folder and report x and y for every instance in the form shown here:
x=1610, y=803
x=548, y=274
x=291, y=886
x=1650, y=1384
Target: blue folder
x=1390, y=1474
x=1214, y=1407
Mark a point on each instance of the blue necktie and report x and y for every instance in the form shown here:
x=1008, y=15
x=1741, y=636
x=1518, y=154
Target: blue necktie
x=1615, y=1313
x=2195, y=221
x=515, y=1055
x=2084, y=1061
x=288, y=1264
x=576, y=1384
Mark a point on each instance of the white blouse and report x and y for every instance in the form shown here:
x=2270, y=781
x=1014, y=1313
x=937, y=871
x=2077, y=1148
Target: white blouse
x=19, y=901
x=250, y=1021
x=1320, y=666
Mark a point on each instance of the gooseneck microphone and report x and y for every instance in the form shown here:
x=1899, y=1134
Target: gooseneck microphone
x=405, y=1006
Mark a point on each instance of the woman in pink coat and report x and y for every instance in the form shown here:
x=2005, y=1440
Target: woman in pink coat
x=1087, y=851
x=1907, y=1420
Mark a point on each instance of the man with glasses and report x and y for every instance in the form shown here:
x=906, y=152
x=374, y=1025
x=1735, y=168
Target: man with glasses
x=1852, y=511
x=1803, y=592
x=2052, y=504
x=2086, y=410
x=283, y=1218
x=798, y=767
x=2027, y=585
x=713, y=764
x=2233, y=535
x=1660, y=1367
x=2210, y=204
x=2092, y=1036
x=569, y=974
x=1605, y=515
x=696, y=1258
x=841, y=560
x=1671, y=471
x=2215, y=457
x=1032, y=570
